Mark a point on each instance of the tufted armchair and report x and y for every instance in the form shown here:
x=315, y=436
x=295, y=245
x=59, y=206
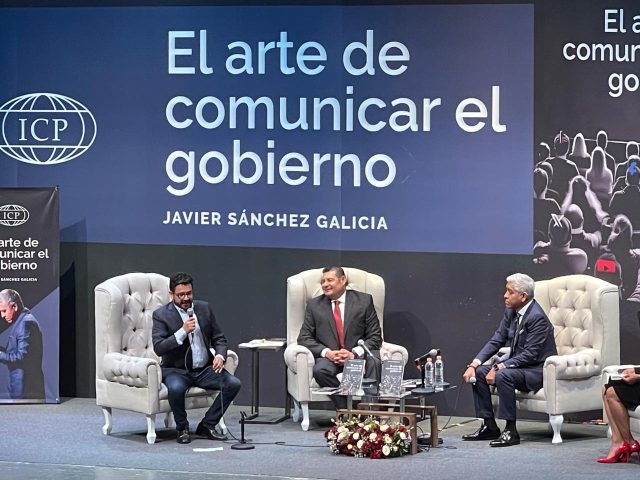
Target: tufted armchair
x=634, y=415
x=584, y=312
x=128, y=374
x=299, y=359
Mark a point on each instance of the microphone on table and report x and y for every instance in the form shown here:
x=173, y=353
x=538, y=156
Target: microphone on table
x=431, y=353
x=420, y=361
x=370, y=381
x=364, y=346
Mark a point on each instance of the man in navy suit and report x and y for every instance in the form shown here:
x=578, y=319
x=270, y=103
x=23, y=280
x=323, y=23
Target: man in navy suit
x=333, y=324
x=193, y=350
x=23, y=352
x=528, y=332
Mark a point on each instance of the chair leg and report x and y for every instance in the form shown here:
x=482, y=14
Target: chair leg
x=556, y=425
x=106, y=428
x=168, y=420
x=295, y=416
x=222, y=426
x=151, y=429
x=305, y=416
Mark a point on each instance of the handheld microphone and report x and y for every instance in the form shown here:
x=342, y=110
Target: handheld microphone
x=364, y=346
x=431, y=353
x=190, y=314
x=472, y=380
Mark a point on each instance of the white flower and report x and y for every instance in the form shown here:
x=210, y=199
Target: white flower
x=360, y=443
x=342, y=436
x=350, y=447
x=356, y=435
x=403, y=435
x=386, y=450
x=395, y=448
x=387, y=439
x=384, y=427
x=373, y=436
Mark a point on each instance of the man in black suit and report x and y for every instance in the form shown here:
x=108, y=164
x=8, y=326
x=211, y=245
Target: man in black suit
x=193, y=350
x=333, y=324
x=528, y=332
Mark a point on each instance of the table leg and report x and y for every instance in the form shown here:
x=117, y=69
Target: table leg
x=255, y=384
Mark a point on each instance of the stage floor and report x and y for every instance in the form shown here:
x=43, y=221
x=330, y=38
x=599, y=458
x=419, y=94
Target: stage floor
x=65, y=442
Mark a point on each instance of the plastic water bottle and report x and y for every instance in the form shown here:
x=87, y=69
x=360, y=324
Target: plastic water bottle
x=428, y=373
x=439, y=374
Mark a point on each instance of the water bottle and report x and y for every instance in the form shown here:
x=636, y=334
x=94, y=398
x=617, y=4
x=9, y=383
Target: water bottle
x=428, y=373
x=439, y=374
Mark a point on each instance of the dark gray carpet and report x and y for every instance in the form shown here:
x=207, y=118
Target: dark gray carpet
x=65, y=442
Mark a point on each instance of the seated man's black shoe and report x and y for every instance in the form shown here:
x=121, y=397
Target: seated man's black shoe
x=483, y=433
x=210, y=433
x=507, y=439
x=184, y=436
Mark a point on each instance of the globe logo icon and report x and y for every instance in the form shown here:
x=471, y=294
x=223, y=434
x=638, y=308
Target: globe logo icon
x=13, y=215
x=45, y=128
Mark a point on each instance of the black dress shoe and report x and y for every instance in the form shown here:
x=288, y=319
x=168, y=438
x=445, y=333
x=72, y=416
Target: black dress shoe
x=507, y=439
x=210, y=433
x=483, y=433
x=184, y=436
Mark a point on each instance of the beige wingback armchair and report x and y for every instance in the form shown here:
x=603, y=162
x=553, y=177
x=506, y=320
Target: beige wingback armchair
x=584, y=312
x=128, y=374
x=299, y=360
x=634, y=415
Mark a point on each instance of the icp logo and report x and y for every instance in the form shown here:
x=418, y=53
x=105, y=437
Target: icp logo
x=13, y=215
x=46, y=128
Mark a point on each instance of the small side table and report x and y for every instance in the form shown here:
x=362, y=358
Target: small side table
x=256, y=347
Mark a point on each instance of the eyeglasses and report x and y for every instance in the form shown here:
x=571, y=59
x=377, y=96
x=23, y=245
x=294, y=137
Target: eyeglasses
x=182, y=295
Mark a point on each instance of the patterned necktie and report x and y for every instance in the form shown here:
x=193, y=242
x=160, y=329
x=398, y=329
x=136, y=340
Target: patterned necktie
x=339, y=326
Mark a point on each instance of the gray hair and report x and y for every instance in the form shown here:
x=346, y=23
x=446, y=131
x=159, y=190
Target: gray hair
x=9, y=297
x=522, y=284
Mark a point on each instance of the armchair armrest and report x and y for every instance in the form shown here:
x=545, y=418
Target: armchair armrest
x=391, y=351
x=131, y=371
x=583, y=364
x=231, y=363
x=291, y=354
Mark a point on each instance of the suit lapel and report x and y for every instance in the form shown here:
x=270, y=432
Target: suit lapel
x=348, y=312
x=174, y=316
x=332, y=322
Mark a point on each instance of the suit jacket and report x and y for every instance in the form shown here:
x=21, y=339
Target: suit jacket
x=23, y=357
x=167, y=320
x=360, y=322
x=535, y=341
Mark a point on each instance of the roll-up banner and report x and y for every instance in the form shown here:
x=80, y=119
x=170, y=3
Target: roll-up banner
x=29, y=295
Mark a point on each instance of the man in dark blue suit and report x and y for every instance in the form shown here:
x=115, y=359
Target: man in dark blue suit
x=193, y=349
x=333, y=324
x=23, y=352
x=528, y=332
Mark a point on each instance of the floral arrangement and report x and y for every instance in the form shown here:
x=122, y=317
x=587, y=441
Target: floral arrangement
x=368, y=438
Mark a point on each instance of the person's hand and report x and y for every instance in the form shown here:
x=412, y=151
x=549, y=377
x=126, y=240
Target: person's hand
x=189, y=324
x=346, y=355
x=491, y=377
x=629, y=375
x=334, y=356
x=218, y=364
x=468, y=373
